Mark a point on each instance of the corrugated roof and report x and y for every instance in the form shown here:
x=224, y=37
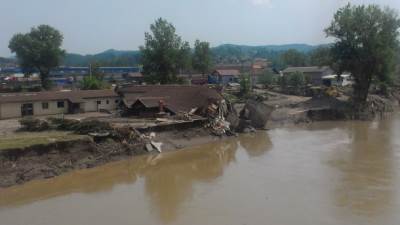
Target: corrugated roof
x=176, y=97
x=74, y=96
x=309, y=69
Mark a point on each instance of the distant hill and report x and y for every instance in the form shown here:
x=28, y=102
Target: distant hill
x=227, y=53
x=107, y=58
x=7, y=62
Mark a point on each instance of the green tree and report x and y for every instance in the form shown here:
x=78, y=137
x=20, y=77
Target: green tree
x=91, y=83
x=39, y=50
x=365, y=45
x=296, y=80
x=164, y=54
x=95, y=71
x=202, y=57
x=293, y=57
x=268, y=78
x=320, y=56
x=244, y=84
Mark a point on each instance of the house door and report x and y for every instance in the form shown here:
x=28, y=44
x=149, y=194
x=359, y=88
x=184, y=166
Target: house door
x=27, y=109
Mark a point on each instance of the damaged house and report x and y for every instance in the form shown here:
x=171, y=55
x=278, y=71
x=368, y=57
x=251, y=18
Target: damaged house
x=160, y=100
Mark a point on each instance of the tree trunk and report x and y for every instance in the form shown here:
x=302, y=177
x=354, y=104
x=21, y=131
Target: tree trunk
x=44, y=78
x=360, y=92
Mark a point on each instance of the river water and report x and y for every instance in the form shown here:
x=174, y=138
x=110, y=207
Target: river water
x=324, y=173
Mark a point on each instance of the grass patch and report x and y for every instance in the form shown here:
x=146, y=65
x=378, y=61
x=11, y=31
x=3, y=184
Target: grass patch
x=23, y=140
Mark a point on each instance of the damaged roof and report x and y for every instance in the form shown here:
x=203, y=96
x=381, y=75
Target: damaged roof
x=176, y=97
x=73, y=96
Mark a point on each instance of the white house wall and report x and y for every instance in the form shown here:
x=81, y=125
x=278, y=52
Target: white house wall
x=10, y=110
x=52, y=110
x=13, y=110
x=90, y=105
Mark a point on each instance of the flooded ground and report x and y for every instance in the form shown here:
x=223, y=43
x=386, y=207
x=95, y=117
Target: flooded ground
x=323, y=173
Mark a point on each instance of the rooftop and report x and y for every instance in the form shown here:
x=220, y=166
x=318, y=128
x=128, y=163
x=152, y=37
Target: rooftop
x=309, y=69
x=176, y=97
x=74, y=96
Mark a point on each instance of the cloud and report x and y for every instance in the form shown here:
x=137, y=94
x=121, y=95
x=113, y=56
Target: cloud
x=261, y=2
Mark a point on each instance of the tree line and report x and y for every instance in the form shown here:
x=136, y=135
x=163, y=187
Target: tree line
x=365, y=44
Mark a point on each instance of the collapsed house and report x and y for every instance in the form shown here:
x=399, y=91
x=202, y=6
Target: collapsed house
x=161, y=100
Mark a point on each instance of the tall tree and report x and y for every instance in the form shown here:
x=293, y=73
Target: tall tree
x=39, y=50
x=320, y=56
x=293, y=57
x=164, y=53
x=202, y=57
x=365, y=45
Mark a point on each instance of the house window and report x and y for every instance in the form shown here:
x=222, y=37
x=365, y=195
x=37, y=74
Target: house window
x=27, y=109
x=108, y=102
x=60, y=104
x=98, y=102
x=45, y=105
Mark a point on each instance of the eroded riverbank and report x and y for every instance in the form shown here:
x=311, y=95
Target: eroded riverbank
x=338, y=172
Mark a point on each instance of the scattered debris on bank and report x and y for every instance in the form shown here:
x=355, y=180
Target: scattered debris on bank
x=113, y=138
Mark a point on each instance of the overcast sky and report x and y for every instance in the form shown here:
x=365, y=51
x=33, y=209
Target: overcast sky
x=92, y=26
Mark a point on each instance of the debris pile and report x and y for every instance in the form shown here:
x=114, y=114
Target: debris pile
x=255, y=114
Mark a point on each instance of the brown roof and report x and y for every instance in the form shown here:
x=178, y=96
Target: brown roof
x=228, y=72
x=176, y=97
x=73, y=96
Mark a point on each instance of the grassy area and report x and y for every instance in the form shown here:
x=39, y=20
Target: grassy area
x=22, y=140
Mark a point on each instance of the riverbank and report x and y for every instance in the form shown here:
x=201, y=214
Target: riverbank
x=39, y=155
x=21, y=163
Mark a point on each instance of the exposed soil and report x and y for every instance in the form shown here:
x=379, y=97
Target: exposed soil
x=18, y=166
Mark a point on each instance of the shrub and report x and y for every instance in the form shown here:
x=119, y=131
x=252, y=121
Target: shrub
x=297, y=80
x=89, y=126
x=64, y=124
x=268, y=79
x=32, y=124
x=244, y=84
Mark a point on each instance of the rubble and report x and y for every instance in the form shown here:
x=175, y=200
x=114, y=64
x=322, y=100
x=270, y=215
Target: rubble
x=257, y=113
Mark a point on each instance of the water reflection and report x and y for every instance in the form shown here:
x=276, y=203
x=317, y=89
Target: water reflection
x=256, y=144
x=368, y=168
x=169, y=182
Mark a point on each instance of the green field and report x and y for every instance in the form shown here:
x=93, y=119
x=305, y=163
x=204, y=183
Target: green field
x=26, y=139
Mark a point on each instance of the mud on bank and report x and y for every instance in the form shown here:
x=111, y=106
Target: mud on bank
x=44, y=161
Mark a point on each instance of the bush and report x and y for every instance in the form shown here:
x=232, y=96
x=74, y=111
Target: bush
x=89, y=126
x=268, y=79
x=244, y=84
x=64, y=124
x=283, y=81
x=80, y=127
x=297, y=80
x=32, y=124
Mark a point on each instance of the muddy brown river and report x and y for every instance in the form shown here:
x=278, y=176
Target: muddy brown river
x=340, y=173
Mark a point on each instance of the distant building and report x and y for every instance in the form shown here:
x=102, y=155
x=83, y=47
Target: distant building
x=152, y=100
x=194, y=79
x=15, y=105
x=315, y=73
x=224, y=77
